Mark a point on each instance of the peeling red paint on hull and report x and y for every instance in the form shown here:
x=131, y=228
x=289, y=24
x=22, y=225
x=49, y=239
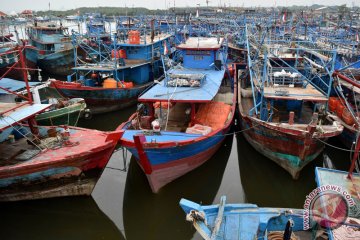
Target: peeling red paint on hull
x=65, y=171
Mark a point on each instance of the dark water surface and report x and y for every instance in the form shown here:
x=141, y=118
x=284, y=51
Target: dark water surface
x=122, y=205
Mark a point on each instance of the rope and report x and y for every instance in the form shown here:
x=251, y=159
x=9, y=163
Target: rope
x=279, y=235
x=339, y=148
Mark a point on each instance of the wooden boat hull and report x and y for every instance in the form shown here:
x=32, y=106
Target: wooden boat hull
x=290, y=152
x=241, y=221
x=65, y=171
x=58, y=63
x=290, y=149
x=98, y=99
x=170, y=163
x=64, y=116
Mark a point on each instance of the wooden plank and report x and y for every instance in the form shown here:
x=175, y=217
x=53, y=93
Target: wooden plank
x=219, y=217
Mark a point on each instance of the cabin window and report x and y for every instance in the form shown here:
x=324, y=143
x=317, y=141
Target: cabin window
x=198, y=58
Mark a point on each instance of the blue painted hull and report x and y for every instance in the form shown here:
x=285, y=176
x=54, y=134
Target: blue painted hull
x=100, y=100
x=240, y=221
x=170, y=163
x=58, y=63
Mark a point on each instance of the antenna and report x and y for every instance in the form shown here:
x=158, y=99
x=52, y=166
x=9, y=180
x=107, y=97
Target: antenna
x=207, y=3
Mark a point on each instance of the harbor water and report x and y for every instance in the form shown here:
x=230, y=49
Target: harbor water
x=122, y=205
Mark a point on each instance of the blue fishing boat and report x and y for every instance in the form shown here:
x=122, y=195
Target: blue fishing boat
x=282, y=103
x=244, y=221
x=182, y=120
x=56, y=53
x=119, y=72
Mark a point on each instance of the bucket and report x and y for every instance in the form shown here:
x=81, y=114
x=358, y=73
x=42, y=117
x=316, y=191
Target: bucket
x=52, y=132
x=347, y=117
x=125, y=84
x=109, y=83
x=122, y=53
x=333, y=102
x=134, y=37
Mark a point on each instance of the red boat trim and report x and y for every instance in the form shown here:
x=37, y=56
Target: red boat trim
x=144, y=161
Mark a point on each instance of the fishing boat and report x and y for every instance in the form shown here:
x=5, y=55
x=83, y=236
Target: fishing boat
x=119, y=72
x=244, y=221
x=44, y=162
x=10, y=65
x=182, y=120
x=62, y=111
x=344, y=105
x=56, y=53
x=59, y=161
x=282, y=104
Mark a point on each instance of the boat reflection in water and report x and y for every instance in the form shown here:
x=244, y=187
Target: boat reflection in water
x=159, y=214
x=57, y=218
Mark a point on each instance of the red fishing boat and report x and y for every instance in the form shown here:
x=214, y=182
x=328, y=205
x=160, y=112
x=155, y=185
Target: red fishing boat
x=42, y=162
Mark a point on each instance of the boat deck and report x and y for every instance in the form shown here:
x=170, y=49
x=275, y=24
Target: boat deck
x=201, y=43
x=280, y=115
x=308, y=93
x=111, y=66
x=13, y=153
x=165, y=136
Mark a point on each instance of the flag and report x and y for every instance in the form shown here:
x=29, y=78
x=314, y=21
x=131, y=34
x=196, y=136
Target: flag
x=284, y=17
x=197, y=13
x=357, y=37
x=165, y=48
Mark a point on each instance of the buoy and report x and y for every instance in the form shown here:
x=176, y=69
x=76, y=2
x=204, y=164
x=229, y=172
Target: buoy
x=94, y=76
x=333, y=102
x=134, y=37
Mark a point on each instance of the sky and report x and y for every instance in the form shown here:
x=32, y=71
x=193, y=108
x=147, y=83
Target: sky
x=19, y=5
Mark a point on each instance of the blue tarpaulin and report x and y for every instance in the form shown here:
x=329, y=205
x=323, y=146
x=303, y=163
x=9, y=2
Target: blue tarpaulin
x=14, y=85
x=205, y=93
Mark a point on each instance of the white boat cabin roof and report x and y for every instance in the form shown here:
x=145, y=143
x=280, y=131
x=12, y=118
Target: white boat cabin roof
x=202, y=43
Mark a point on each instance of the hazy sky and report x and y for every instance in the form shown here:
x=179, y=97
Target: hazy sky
x=19, y=5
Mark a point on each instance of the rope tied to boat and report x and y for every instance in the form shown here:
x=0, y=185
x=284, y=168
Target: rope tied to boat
x=279, y=235
x=195, y=215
